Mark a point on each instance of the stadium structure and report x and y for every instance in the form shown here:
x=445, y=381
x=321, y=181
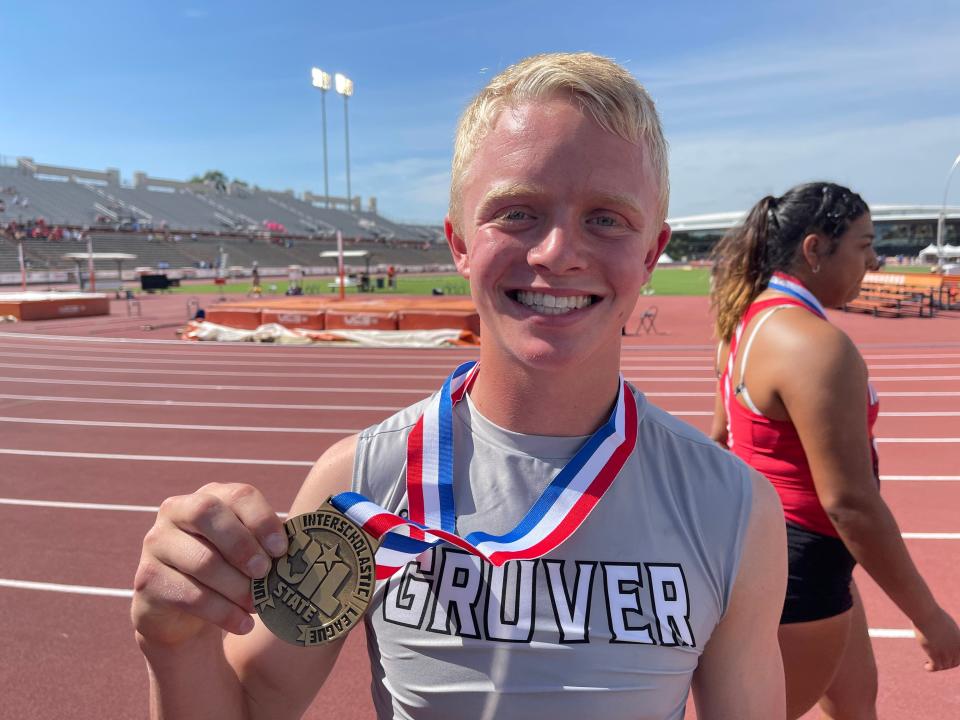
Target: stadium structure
x=190, y=227
x=905, y=231
x=199, y=229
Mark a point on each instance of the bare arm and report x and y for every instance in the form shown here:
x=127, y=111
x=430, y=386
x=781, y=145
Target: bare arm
x=824, y=388
x=740, y=674
x=718, y=429
x=192, y=603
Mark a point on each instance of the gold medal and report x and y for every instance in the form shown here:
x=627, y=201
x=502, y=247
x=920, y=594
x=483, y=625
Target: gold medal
x=320, y=589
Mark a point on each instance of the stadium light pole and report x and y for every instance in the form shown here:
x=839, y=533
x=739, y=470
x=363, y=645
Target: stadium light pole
x=345, y=88
x=321, y=81
x=942, y=220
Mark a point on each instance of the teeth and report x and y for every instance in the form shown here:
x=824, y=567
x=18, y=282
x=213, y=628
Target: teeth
x=547, y=304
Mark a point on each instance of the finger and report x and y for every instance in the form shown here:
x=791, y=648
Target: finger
x=255, y=512
x=161, y=589
x=208, y=516
x=199, y=559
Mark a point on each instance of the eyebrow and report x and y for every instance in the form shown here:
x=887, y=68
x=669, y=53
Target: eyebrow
x=508, y=191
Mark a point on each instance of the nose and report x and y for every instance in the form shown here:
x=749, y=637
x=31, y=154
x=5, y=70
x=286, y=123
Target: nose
x=873, y=262
x=560, y=251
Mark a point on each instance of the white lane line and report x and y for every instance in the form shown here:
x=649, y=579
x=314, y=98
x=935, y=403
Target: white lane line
x=222, y=373
x=932, y=413
x=639, y=380
x=915, y=356
x=155, y=458
x=125, y=593
x=913, y=378
x=152, y=509
x=371, y=408
x=71, y=589
x=892, y=633
x=915, y=366
x=921, y=393
x=63, y=505
x=918, y=440
x=312, y=363
x=172, y=426
x=213, y=386
x=921, y=478
x=185, y=362
x=186, y=350
x=75, y=344
x=197, y=403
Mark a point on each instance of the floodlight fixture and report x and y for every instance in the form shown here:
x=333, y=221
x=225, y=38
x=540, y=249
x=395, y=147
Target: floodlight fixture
x=321, y=81
x=344, y=84
x=320, y=78
x=345, y=87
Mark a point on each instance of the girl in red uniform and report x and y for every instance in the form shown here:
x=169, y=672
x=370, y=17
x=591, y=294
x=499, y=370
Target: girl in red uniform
x=794, y=401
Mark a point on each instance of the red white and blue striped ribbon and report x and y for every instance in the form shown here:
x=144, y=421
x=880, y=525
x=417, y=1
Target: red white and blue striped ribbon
x=558, y=512
x=789, y=285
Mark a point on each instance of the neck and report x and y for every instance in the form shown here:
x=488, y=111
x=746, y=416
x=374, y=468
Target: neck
x=807, y=278
x=537, y=402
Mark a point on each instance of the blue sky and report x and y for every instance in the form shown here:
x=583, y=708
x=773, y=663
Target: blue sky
x=754, y=96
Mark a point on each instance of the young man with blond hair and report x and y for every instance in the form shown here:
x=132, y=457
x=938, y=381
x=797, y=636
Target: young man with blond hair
x=643, y=559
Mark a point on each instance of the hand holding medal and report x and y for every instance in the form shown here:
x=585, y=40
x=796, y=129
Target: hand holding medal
x=320, y=589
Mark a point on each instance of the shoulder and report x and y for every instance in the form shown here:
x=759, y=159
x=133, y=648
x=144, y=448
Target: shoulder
x=398, y=423
x=804, y=341
x=681, y=444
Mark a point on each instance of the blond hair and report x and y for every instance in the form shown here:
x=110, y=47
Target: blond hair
x=601, y=87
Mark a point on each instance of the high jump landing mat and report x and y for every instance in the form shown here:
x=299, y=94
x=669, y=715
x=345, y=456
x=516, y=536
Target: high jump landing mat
x=51, y=305
x=404, y=312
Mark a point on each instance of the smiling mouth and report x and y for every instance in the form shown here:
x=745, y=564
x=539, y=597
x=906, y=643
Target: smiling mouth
x=546, y=304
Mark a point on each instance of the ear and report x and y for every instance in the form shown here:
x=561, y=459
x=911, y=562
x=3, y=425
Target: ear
x=650, y=261
x=812, y=249
x=458, y=248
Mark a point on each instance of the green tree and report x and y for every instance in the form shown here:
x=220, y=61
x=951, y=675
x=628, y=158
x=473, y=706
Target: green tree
x=216, y=178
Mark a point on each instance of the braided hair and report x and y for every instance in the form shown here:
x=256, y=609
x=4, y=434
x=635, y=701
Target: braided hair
x=769, y=239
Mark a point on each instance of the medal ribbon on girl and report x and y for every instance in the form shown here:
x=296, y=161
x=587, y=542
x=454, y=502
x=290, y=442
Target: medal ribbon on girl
x=558, y=512
x=789, y=285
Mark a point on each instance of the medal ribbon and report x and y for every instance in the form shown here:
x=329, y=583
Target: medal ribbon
x=789, y=285
x=555, y=516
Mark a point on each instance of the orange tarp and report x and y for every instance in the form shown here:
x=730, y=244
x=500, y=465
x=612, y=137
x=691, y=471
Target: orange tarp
x=51, y=309
x=360, y=320
x=245, y=318
x=404, y=312
x=307, y=318
x=438, y=320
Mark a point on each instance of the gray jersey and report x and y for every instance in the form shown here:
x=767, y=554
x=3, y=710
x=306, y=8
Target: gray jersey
x=611, y=624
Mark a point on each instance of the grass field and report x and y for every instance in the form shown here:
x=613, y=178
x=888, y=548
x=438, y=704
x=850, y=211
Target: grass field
x=665, y=281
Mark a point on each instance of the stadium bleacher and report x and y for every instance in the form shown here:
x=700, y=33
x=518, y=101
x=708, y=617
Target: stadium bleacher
x=183, y=225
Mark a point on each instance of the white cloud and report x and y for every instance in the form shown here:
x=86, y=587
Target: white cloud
x=886, y=163
x=413, y=188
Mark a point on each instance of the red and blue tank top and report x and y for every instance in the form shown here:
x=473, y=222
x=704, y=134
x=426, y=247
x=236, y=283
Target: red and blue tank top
x=772, y=446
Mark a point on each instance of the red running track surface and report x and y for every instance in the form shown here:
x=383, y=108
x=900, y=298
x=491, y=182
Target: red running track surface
x=122, y=424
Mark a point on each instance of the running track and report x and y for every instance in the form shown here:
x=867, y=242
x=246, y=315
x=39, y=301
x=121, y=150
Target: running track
x=94, y=433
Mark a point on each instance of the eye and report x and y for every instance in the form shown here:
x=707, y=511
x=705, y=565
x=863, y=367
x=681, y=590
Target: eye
x=608, y=221
x=603, y=220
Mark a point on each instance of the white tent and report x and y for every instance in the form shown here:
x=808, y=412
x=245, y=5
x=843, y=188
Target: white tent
x=665, y=259
x=930, y=252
